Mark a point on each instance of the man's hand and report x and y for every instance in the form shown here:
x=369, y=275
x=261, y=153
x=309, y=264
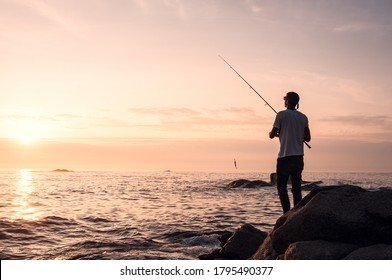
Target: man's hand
x=307, y=136
x=274, y=132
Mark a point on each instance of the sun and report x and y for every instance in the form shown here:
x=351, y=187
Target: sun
x=26, y=139
x=28, y=132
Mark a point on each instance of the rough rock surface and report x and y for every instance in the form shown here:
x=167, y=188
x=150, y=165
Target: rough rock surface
x=317, y=250
x=354, y=219
x=375, y=252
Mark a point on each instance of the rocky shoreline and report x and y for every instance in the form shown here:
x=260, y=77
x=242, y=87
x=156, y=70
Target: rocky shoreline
x=330, y=223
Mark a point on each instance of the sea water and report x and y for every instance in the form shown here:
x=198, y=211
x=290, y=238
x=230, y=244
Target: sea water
x=135, y=215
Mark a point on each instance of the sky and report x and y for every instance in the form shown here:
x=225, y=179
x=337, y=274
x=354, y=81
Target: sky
x=139, y=85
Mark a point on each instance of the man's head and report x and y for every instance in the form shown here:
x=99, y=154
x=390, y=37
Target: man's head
x=291, y=100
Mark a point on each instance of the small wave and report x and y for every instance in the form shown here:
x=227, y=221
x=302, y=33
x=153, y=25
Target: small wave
x=181, y=234
x=55, y=220
x=11, y=256
x=202, y=240
x=5, y=223
x=20, y=231
x=123, y=231
x=97, y=220
x=125, y=244
x=3, y=235
x=191, y=243
x=124, y=248
x=89, y=244
x=15, y=226
x=184, y=235
x=15, y=230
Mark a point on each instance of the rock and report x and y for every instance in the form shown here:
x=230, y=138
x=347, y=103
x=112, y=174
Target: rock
x=306, y=187
x=375, y=252
x=337, y=214
x=311, y=186
x=243, y=183
x=241, y=245
x=318, y=250
x=214, y=255
x=224, y=238
x=273, y=179
x=244, y=242
x=61, y=170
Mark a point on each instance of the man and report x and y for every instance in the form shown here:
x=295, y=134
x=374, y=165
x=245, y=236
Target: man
x=292, y=128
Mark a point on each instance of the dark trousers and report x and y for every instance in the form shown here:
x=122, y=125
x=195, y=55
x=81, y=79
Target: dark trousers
x=290, y=166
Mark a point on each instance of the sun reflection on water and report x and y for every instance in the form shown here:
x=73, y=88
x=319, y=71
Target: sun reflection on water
x=23, y=204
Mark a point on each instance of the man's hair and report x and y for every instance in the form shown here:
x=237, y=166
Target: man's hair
x=292, y=97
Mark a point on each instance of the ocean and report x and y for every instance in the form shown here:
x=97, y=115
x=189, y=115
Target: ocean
x=136, y=215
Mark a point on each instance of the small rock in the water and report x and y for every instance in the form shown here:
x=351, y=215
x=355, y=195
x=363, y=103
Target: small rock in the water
x=308, y=185
x=61, y=170
x=243, y=183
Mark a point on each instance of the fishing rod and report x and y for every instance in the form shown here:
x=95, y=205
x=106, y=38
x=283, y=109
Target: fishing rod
x=266, y=103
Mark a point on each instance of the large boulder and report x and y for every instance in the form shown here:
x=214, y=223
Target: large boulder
x=241, y=245
x=336, y=214
x=244, y=242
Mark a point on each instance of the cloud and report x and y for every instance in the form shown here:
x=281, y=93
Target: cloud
x=350, y=155
x=254, y=6
x=178, y=6
x=40, y=117
x=165, y=111
x=23, y=117
x=49, y=12
x=369, y=128
x=188, y=10
x=142, y=4
x=186, y=117
x=67, y=121
x=68, y=116
x=149, y=7
x=206, y=123
x=361, y=120
x=352, y=27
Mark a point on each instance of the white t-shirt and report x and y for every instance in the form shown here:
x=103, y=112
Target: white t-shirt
x=291, y=124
